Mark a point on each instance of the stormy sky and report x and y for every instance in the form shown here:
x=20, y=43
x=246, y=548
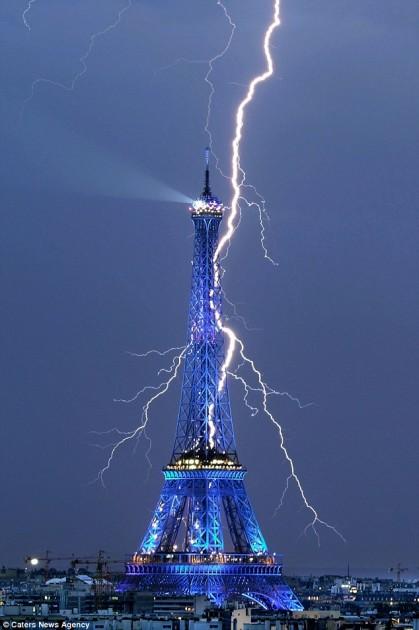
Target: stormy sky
x=96, y=244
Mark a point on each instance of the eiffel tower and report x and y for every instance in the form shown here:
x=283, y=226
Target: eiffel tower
x=203, y=537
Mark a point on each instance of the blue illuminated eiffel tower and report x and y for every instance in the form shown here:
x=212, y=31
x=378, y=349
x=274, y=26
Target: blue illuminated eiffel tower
x=204, y=499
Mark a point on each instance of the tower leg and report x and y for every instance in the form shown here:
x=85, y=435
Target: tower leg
x=241, y=518
x=165, y=522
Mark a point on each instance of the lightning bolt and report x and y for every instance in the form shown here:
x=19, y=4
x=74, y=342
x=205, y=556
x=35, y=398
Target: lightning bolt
x=238, y=175
x=69, y=87
x=238, y=179
x=26, y=12
x=210, y=83
x=261, y=206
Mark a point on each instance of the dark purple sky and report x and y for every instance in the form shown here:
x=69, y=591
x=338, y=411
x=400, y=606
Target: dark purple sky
x=94, y=263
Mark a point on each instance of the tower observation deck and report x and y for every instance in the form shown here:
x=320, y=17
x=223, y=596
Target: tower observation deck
x=203, y=537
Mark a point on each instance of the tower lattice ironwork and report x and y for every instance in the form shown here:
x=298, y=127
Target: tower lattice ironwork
x=203, y=508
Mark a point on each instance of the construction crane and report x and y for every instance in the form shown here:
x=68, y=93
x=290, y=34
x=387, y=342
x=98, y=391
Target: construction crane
x=101, y=561
x=398, y=570
x=34, y=561
x=102, y=574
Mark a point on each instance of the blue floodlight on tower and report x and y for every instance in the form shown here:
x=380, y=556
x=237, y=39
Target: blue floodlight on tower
x=184, y=551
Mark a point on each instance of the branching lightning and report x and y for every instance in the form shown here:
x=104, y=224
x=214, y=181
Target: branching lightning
x=269, y=391
x=237, y=179
x=138, y=431
x=69, y=87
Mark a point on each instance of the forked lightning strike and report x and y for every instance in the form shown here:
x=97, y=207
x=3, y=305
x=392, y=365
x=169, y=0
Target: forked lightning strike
x=139, y=430
x=69, y=87
x=238, y=178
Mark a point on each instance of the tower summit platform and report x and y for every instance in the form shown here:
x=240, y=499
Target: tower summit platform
x=203, y=537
